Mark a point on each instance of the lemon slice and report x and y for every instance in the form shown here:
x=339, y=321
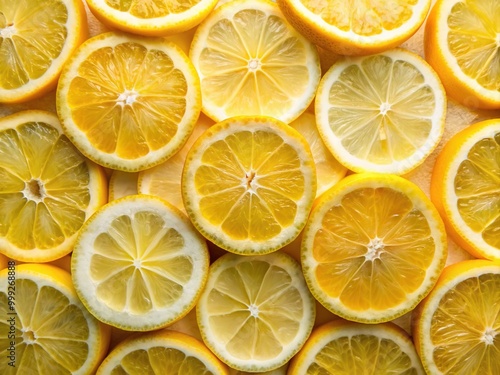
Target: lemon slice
x=162, y=352
x=345, y=348
x=381, y=113
x=122, y=184
x=248, y=184
x=138, y=264
x=45, y=328
x=151, y=18
x=456, y=328
x=252, y=62
x=128, y=102
x=36, y=40
x=356, y=27
x=328, y=170
x=373, y=247
x=462, y=40
x=465, y=187
x=255, y=312
x=164, y=180
x=47, y=190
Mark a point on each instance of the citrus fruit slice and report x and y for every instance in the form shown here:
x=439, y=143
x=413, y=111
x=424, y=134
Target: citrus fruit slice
x=381, y=113
x=373, y=247
x=456, y=328
x=356, y=28
x=162, y=352
x=48, y=188
x=164, y=180
x=122, y=184
x=252, y=62
x=128, y=102
x=45, y=329
x=328, y=170
x=248, y=184
x=345, y=348
x=255, y=312
x=138, y=264
x=462, y=40
x=153, y=17
x=465, y=188
x=36, y=39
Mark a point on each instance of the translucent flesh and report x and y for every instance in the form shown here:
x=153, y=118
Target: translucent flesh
x=465, y=313
x=361, y=354
x=151, y=8
x=253, y=37
x=59, y=331
x=474, y=40
x=328, y=170
x=32, y=35
x=35, y=158
x=128, y=100
x=160, y=360
x=373, y=249
x=138, y=264
x=477, y=185
x=359, y=96
x=363, y=17
x=277, y=310
x=249, y=184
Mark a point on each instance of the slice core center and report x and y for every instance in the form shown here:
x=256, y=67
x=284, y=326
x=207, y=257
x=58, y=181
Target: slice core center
x=254, y=64
x=8, y=31
x=128, y=97
x=254, y=310
x=489, y=336
x=34, y=190
x=375, y=248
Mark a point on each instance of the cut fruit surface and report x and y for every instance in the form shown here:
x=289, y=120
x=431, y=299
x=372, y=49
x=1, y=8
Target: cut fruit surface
x=252, y=62
x=373, y=247
x=162, y=352
x=356, y=27
x=122, y=184
x=152, y=17
x=381, y=113
x=164, y=180
x=256, y=311
x=47, y=190
x=462, y=43
x=138, y=264
x=328, y=170
x=248, y=184
x=457, y=327
x=345, y=348
x=465, y=187
x=36, y=40
x=52, y=330
x=128, y=102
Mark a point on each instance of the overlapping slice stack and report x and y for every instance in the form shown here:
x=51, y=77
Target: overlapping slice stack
x=373, y=244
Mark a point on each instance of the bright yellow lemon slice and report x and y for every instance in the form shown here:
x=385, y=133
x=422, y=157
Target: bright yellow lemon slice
x=248, y=184
x=128, y=102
